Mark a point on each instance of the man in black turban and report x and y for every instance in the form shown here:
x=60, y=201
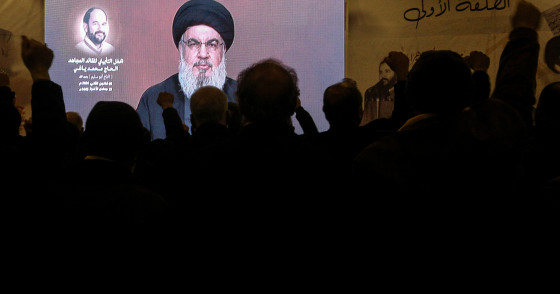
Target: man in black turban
x=203, y=31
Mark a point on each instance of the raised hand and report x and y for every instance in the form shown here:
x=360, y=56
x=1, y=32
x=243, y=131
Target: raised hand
x=165, y=100
x=399, y=63
x=478, y=61
x=37, y=57
x=526, y=15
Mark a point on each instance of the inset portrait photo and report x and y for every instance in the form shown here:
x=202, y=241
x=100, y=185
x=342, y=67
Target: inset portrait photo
x=96, y=30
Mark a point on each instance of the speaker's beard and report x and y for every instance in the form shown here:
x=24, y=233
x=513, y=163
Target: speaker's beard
x=191, y=82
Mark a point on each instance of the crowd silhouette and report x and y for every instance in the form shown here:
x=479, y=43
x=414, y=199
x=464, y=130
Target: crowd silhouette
x=242, y=167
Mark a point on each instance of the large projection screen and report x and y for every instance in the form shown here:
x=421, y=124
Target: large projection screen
x=306, y=35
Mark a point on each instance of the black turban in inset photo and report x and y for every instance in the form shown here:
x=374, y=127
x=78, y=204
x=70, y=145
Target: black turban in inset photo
x=204, y=12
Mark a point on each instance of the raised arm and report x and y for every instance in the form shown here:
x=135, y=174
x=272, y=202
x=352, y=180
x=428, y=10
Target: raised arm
x=516, y=78
x=479, y=64
x=175, y=130
x=305, y=120
x=47, y=103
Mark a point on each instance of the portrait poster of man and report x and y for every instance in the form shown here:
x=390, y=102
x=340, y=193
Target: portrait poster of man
x=377, y=27
x=306, y=35
x=379, y=99
x=96, y=29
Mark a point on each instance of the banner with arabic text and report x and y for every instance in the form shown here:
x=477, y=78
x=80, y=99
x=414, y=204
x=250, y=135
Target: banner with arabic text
x=376, y=27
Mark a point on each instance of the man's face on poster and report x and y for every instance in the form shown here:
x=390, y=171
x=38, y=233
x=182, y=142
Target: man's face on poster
x=202, y=59
x=203, y=49
x=97, y=28
x=386, y=74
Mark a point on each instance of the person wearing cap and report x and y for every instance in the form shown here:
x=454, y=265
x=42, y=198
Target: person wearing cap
x=203, y=31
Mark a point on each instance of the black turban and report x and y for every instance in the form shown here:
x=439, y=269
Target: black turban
x=204, y=12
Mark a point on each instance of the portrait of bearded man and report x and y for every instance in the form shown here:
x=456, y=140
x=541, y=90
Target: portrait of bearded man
x=379, y=99
x=96, y=27
x=203, y=31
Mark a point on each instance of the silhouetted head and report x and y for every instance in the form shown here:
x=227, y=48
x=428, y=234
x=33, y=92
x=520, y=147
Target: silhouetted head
x=267, y=91
x=114, y=131
x=547, y=114
x=349, y=82
x=439, y=82
x=10, y=118
x=76, y=120
x=342, y=105
x=209, y=105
